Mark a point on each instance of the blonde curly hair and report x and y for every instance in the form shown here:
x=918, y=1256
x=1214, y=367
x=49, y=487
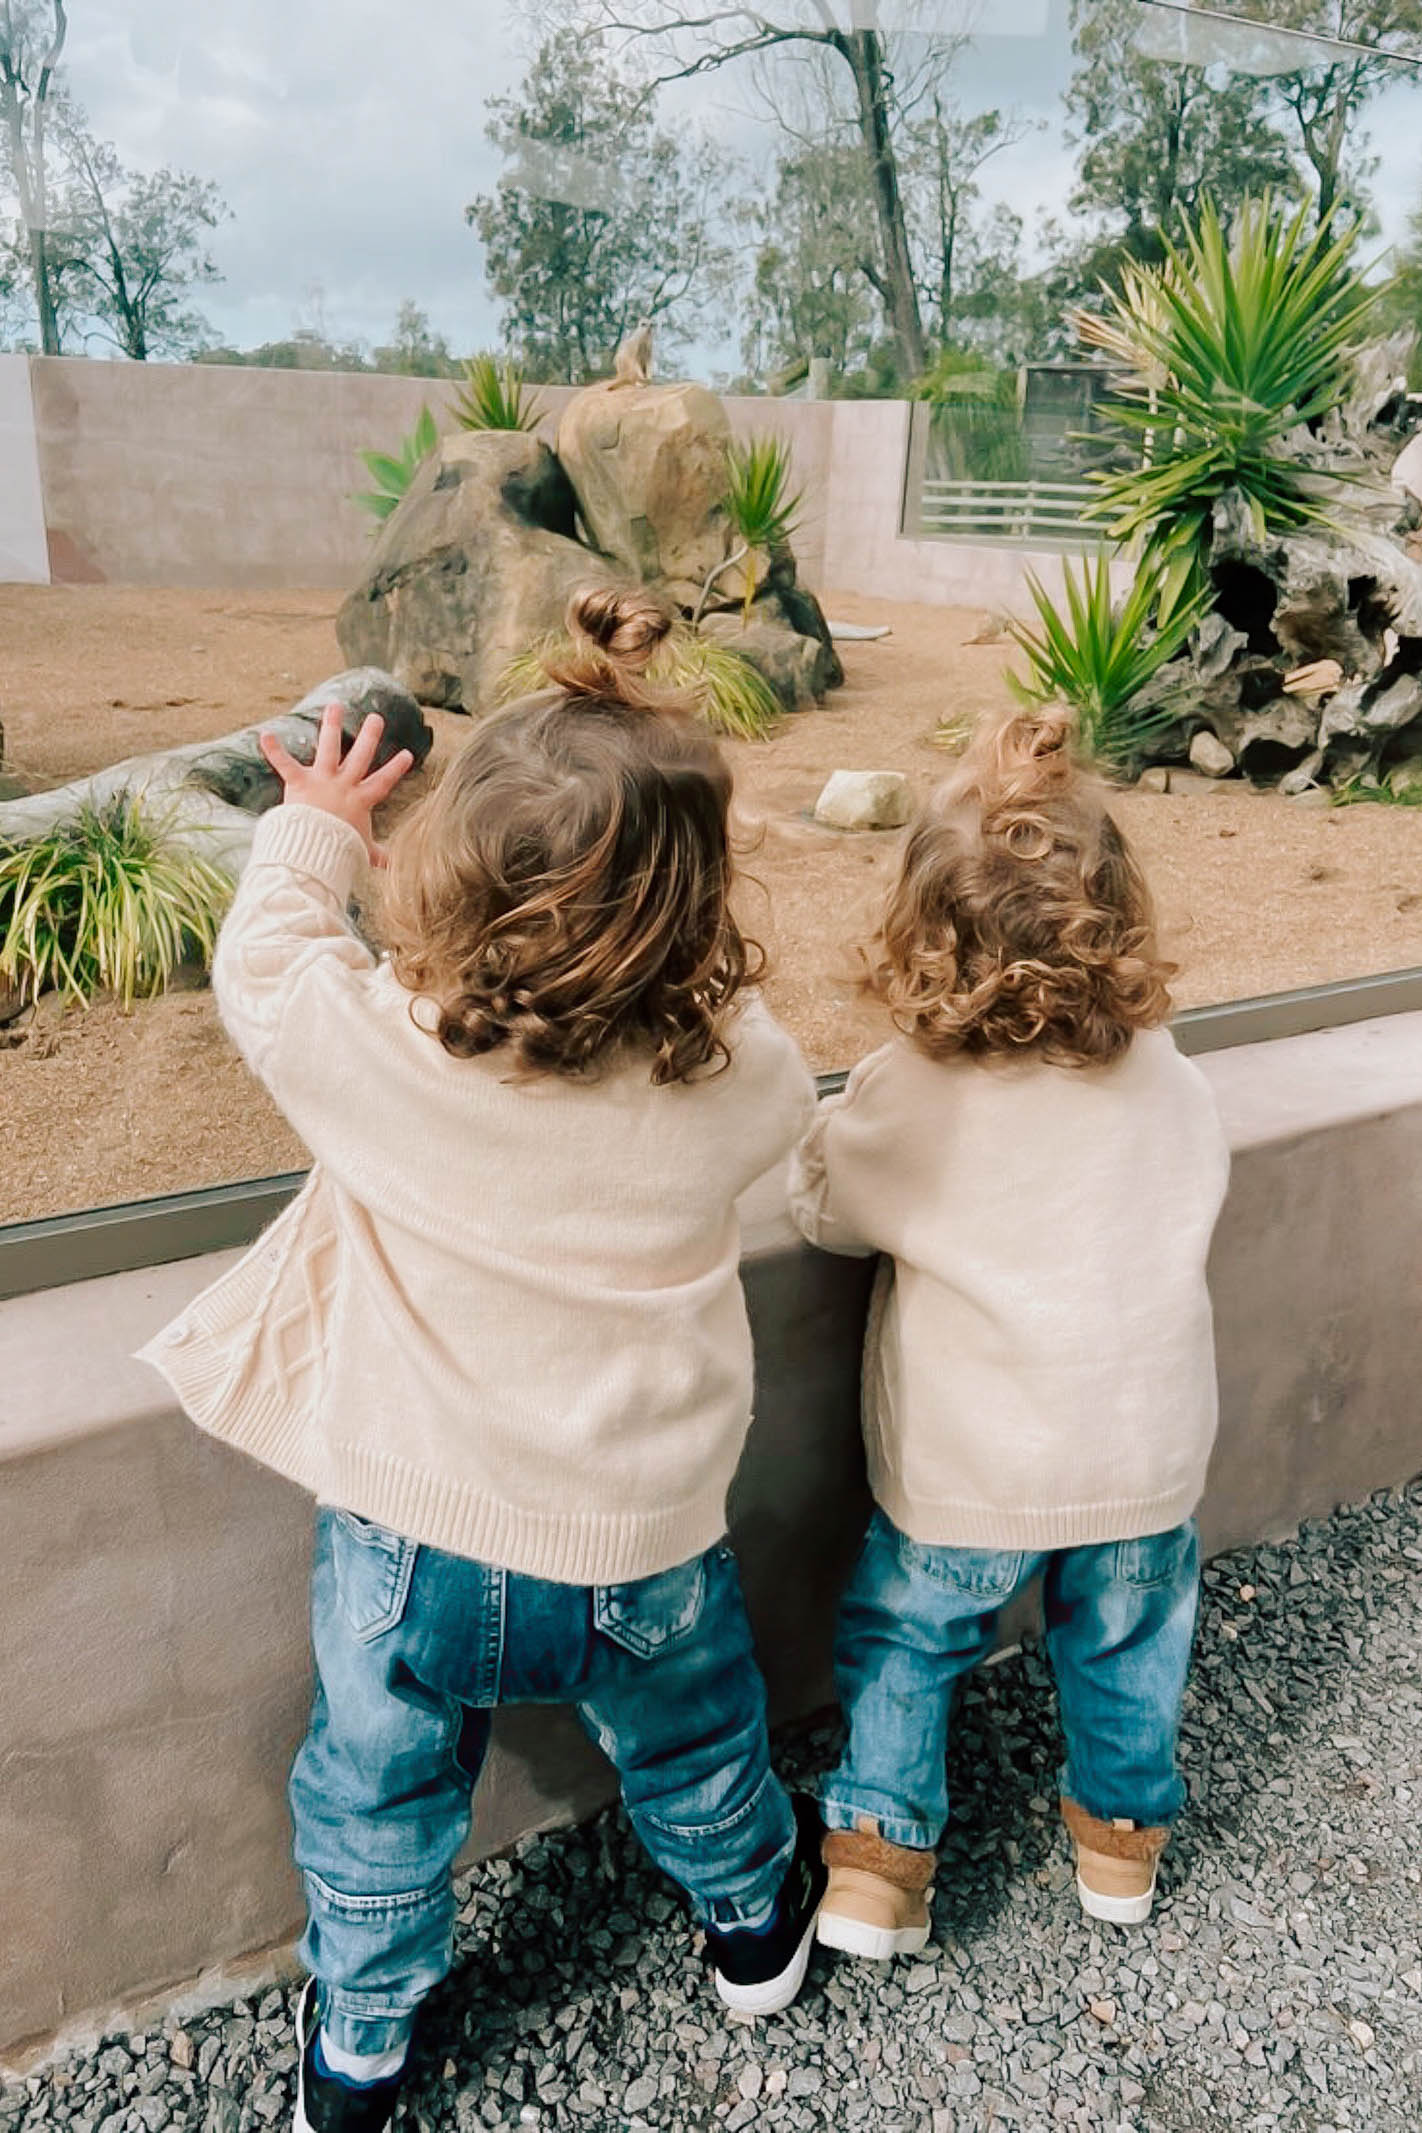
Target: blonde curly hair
x=1021, y=922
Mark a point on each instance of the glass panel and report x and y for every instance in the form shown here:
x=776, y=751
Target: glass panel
x=879, y=230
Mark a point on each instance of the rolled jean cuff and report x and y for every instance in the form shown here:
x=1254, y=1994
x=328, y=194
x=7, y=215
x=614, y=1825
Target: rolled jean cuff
x=1152, y=1808
x=845, y=1810
x=355, y=2022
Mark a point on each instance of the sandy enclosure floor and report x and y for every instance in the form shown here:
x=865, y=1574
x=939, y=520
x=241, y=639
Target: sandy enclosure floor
x=1257, y=894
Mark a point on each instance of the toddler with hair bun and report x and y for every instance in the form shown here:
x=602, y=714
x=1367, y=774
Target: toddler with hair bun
x=1042, y=1171
x=500, y=1335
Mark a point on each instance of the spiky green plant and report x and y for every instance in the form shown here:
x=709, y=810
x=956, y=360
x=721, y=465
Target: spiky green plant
x=393, y=473
x=494, y=397
x=1231, y=345
x=1098, y=657
x=110, y=901
x=759, y=504
x=735, y=697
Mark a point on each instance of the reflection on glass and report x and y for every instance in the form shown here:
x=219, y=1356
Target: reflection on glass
x=888, y=233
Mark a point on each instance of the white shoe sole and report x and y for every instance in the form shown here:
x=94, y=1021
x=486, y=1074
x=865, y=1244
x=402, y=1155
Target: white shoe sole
x=300, y=2122
x=777, y=1992
x=876, y=1944
x=1116, y=1910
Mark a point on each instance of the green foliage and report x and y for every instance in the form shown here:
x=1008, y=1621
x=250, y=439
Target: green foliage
x=1098, y=657
x=494, y=397
x=602, y=218
x=977, y=432
x=757, y=500
x=735, y=698
x=1232, y=346
x=105, y=902
x=393, y=474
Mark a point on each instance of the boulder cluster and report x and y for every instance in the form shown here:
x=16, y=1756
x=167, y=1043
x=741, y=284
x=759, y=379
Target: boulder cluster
x=497, y=531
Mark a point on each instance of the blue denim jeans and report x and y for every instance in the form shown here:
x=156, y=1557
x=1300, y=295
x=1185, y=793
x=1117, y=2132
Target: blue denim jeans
x=1120, y=1622
x=413, y=1650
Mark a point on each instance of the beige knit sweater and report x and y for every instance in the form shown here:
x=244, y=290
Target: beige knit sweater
x=503, y=1317
x=1039, y=1371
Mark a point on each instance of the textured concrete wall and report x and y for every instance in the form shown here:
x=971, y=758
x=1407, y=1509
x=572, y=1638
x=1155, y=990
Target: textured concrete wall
x=153, y=1665
x=23, y=556
x=173, y=474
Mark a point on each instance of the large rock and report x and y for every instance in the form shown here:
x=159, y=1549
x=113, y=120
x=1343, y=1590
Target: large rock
x=648, y=466
x=799, y=669
x=477, y=563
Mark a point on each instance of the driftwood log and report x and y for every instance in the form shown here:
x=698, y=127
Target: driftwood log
x=210, y=793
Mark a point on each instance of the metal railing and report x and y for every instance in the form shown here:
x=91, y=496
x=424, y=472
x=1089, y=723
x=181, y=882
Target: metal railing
x=60, y=1249
x=1043, y=514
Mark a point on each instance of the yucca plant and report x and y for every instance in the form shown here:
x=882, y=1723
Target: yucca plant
x=735, y=697
x=106, y=901
x=393, y=473
x=1098, y=657
x=494, y=397
x=760, y=507
x=1229, y=347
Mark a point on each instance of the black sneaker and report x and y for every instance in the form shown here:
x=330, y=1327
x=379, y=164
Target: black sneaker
x=325, y=2104
x=759, y=1971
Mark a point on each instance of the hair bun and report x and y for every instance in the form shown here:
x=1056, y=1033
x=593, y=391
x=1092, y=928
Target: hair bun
x=625, y=624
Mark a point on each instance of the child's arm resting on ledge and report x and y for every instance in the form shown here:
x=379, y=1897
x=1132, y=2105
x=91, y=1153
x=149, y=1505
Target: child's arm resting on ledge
x=832, y=1195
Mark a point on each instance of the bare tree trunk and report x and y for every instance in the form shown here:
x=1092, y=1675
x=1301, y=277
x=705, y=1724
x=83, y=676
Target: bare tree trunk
x=863, y=51
x=28, y=160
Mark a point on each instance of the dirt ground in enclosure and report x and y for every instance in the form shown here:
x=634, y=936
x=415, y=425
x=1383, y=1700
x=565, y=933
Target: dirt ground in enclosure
x=1257, y=894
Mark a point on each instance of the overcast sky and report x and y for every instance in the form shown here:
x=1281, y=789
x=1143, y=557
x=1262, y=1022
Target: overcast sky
x=347, y=137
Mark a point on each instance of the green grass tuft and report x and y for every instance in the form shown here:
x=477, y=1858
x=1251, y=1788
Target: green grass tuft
x=735, y=698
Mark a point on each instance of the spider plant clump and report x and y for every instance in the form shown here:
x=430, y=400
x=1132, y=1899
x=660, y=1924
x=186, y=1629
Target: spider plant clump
x=1098, y=656
x=1230, y=349
x=735, y=698
x=393, y=473
x=495, y=397
x=107, y=901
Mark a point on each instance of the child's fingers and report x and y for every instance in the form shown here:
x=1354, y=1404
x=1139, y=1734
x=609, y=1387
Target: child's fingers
x=328, y=741
x=283, y=763
x=363, y=747
x=381, y=783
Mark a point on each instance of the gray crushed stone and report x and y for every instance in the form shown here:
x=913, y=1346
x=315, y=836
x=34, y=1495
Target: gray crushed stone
x=1277, y=1989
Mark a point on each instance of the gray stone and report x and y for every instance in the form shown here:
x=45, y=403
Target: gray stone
x=1209, y=755
x=864, y=800
x=1156, y=779
x=477, y=563
x=799, y=669
x=648, y=467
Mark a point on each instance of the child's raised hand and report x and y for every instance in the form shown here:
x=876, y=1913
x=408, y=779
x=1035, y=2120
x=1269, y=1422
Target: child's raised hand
x=349, y=789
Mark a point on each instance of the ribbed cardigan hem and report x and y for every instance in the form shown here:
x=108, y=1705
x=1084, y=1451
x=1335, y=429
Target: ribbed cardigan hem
x=1077, y=1525
x=440, y=1510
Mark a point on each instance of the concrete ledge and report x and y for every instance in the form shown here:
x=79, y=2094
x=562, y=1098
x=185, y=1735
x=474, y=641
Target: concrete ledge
x=153, y=1672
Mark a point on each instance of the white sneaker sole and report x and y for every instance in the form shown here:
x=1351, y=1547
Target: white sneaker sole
x=876, y=1944
x=300, y=2122
x=1116, y=1910
x=777, y=1992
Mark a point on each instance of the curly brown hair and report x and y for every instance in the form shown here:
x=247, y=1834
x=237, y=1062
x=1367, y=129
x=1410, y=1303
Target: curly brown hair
x=564, y=890
x=1021, y=921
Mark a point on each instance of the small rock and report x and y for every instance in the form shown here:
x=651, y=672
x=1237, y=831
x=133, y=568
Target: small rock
x=1104, y=2012
x=864, y=800
x=1362, y=2035
x=1209, y=754
x=180, y=2050
x=1156, y=779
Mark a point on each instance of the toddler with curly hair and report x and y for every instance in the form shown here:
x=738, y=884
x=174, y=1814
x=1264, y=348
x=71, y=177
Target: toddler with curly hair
x=1042, y=1171
x=500, y=1335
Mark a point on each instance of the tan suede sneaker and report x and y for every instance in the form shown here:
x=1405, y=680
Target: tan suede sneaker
x=1116, y=1865
x=877, y=1901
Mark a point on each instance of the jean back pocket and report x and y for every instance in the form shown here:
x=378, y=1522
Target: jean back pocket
x=1158, y=1558
x=373, y=1569
x=649, y=1616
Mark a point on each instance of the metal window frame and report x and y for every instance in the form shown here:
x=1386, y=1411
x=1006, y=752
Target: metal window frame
x=60, y=1249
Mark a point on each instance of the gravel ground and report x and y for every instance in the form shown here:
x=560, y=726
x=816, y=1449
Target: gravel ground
x=1278, y=1985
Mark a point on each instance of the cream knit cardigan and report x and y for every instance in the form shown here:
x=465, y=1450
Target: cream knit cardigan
x=504, y=1316
x=1040, y=1370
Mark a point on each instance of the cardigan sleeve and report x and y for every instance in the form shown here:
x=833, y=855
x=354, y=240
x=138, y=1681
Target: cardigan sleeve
x=833, y=1172
x=286, y=938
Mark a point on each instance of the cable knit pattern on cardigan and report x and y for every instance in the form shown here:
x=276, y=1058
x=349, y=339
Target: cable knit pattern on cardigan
x=503, y=1316
x=1039, y=1371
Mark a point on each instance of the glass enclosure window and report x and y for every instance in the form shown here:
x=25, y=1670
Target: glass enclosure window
x=274, y=287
